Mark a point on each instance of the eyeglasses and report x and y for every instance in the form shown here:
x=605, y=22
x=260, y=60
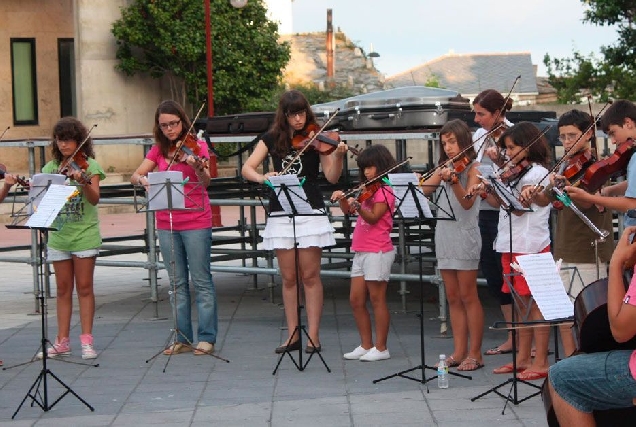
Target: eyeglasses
x=569, y=137
x=169, y=125
x=299, y=114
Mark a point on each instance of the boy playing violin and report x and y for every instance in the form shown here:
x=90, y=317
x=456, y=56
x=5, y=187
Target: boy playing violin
x=619, y=123
x=573, y=237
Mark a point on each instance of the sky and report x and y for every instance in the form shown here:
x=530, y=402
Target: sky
x=407, y=33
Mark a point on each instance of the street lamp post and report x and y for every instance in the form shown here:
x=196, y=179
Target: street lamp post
x=216, y=210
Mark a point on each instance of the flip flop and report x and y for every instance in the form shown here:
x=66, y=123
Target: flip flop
x=531, y=375
x=470, y=364
x=497, y=350
x=507, y=369
x=450, y=362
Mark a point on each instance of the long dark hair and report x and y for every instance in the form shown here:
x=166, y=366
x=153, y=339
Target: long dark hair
x=169, y=107
x=522, y=135
x=292, y=101
x=375, y=155
x=492, y=101
x=460, y=129
x=71, y=129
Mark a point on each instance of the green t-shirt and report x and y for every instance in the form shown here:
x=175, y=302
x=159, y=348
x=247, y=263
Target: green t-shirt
x=80, y=230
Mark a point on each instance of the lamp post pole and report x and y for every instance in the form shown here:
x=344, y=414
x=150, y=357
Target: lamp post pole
x=216, y=210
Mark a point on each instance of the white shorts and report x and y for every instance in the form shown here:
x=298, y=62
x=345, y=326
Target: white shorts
x=374, y=266
x=310, y=231
x=56, y=255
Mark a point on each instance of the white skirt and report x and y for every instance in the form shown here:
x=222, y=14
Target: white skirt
x=311, y=231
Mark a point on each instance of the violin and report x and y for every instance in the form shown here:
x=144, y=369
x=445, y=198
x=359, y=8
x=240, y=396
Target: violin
x=368, y=191
x=190, y=146
x=613, y=166
x=458, y=166
x=514, y=173
x=78, y=162
x=325, y=142
x=577, y=165
x=3, y=171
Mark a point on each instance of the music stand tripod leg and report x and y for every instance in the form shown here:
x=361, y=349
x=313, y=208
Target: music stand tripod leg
x=300, y=328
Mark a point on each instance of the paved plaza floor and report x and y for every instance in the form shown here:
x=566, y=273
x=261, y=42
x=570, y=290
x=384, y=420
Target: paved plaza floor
x=130, y=387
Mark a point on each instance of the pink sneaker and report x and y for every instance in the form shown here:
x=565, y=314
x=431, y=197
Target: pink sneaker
x=62, y=347
x=88, y=352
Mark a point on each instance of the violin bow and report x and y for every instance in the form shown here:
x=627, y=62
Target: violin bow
x=374, y=179
x=313, y=137
x=79, y=147
x=180, y=142
x=500, y=110
x=566, y=152
x=5, y=131
x=593, y=145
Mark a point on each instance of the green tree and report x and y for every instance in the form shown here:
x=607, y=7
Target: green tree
x=167, y=39
x=615, y=74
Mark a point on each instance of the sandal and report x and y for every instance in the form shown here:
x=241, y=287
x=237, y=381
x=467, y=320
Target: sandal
x=531, y=375
x=497, y=350
x=204, y=348
x=450, y=362
x=507, y=369
x=177, y=348
x=470, y=364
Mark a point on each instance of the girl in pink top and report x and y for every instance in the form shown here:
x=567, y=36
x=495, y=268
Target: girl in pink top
x=374, y=254
x=185, y=236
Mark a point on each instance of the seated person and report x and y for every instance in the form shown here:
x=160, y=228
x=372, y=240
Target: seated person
x=591, y=382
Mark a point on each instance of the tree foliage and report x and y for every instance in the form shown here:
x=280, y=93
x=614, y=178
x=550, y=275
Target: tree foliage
x=612, y=76
x=167, y=39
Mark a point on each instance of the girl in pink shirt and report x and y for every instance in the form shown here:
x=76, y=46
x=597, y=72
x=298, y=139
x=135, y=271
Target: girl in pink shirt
x=374, y=253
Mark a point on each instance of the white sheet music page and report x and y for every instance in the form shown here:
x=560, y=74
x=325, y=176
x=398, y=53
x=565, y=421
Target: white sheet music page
x=160, y=183
x=546, y=286
x=296, y=193
x=37, y=189
x=50, y=205
x=504, y=192
x=406, y=202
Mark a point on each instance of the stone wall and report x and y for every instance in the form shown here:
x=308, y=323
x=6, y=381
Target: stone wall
x=308, y=62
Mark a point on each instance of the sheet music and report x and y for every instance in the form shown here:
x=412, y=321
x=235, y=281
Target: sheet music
x=546, y=286
x=50, y=205
x=407, y=206
x=158, y=190
x=39, y=182
x=505, y=193
x=296, y=192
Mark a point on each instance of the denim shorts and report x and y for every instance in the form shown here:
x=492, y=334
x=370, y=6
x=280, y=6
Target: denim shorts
x=56, y=255
x=595, y=381
x=374, y=266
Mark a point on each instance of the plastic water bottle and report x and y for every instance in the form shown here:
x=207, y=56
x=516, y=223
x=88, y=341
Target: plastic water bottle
x=442, y=372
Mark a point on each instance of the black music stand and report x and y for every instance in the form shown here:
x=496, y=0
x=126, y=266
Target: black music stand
x=166, y=195
x=419, y=212
x=510, y=204
x=289, y=197
x=38, y=397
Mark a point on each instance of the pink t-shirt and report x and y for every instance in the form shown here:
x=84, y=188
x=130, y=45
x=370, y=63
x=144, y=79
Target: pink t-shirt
x=376, y=237
x=196, y=195
x=630, y=298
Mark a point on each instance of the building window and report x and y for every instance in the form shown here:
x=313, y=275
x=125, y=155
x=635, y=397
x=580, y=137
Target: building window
x=66, y=61
x=25, y=91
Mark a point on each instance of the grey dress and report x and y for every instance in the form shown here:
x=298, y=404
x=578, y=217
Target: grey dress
x=457, y=243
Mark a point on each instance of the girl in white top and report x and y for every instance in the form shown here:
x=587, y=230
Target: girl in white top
x=523, y=232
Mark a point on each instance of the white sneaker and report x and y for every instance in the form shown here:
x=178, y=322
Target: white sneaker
x=374, y=355
x=356, y=354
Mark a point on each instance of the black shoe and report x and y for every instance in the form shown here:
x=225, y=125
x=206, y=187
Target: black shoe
x=310, y=349
x=291, y=347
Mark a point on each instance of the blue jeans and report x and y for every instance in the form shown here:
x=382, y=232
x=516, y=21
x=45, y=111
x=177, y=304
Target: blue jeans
x=595, y=381
x=191, y=250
